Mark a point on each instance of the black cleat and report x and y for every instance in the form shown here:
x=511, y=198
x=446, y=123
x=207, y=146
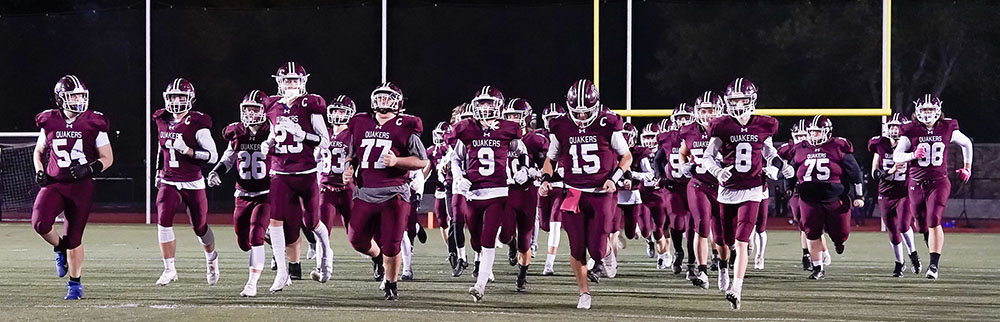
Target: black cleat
x=391, y=293
x=594, y=275
x=714, y=266
x=839, y=248
x=690, y=273
x=650, y=249
x=898, y=271
x=475, y=271
x=460, y=268
x=378, y=271
x=274, y=264
x=676, y=265
x=807, y=264
x=406, y=276
x=521, y=285
x=817, y=273
x=915, y=261
x=295, y=271
x=421, y=234
x=512, y=254
x=452, y=260
x=932, y=272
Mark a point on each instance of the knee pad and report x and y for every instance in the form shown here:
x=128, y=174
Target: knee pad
x=208, y=238
x=166, y=234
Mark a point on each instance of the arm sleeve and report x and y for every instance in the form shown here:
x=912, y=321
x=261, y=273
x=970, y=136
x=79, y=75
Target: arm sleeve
x=521, y=152
x=322, y=134
x=553, y=152
x=102, y=139
x=458, y=160
x=899, y=155
x=659, y=164
x=416, y=147
x=963, y=141
x=853, y=171
x=707, y=159
x=208, y=150
x=227, y=160
x=42, y=143
x=618, y=143
x=646, y=172
x=159, y=156
x=770, y=152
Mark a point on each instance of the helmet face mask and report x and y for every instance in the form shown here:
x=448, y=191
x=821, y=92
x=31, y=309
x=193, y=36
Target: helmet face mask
x=705, y=113
x=819, y=131
x=291, y=79
x=550, y=113
x=387, y=98
x=338, y=114
x=486, y=108
x=583, y=102
x=741, y=98
x=927, y=109
x=514, y=116
x=252, y=114
x=583, y=116
x=179, y=97
x=682, y=116
x=76, y=101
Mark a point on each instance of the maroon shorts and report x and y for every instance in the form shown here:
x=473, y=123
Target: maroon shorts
x=632, y=216
x=167, y=200
x=336, y=202
x=73, y=198
x=737, y=222
x=927, y=202
x=548, y=208
x=384, y=222
x=833, y=217
x=616, y=221
x=460, y=208
x=485, y=221
x=441, y=212
x=703, y=205
x=295, y=201
x=896, y=216
x=655, y=201
x=520, y=216
x=793, y=203
x=250, y=220
x=677, y=209
x=588, y=229
x=762, y=215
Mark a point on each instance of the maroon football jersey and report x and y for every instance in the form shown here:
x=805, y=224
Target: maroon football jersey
x=586, y=153
x=535, y=144
x=288, y=155
x=70, y=143
x=670, y=143
x=435, y=156
x=742, y=147
x=696, y=138
x=638, y=153
x=370, y=141
x=178, y=167
x=895, y=185
x=335, y=160
x=486, y=151
x=251, y=164
x=935, y=140
x=820, y=163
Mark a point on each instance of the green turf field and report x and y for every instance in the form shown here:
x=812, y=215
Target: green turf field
x=123, y=263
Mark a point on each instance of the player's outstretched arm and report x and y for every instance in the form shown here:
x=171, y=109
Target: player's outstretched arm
x=965, y=143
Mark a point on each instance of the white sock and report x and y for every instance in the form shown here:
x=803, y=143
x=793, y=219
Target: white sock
x=897, y=251
x=324, y=253
x=211, y=256
x=824, y=253
x=407, y=253
x=278, y=248
x=461, y=254
x=534, y=234
x=761, y=244
x=168, y=264
x=754, y=236
x=550, y=259
x=485, y=267
x=818, y=263
x=908, y=241
x=737, y=284
x=256, y=264
x=554, y=233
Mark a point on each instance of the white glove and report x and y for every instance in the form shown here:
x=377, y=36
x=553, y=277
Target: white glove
x=178, y=145
x=213, y=179
x=521, y=176
x=787, y=171
x=771, y=172
x=293, y=129
x=534, y=173
x=462, y=184
x=265, y=147
x=723, y=174
x=686, y=169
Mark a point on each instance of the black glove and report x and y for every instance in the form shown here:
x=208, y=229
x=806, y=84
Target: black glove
x=84, y=171
x=42, y=178
x=666, y=184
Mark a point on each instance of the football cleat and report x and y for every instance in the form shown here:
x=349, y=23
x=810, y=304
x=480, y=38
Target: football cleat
x=477, y=294
x=915, y=261
x=512, y=255
x=274, y=264
x=650, y=249
x=723, y=280
x=548, y=271
x=610, y=263
x=320, y=274
x=311, y=253
x=212, y=271
x=74, y=291
x=690, y=273
x=534, y=249
x=492, y=278
x=758, y=261
x=807, y=264
x=295, y=271
x=391, y=293
x=622, y=241
x=735, y=298
x=676, y=266
x=407, y=275
x=898, y=270
x=701, y=280
x=378, y=271
x=460, y=268
x=452, y=260
x=167, y=277
x=584, y=302
x=714, y=266
x=932, y=272
x=818, y=273
x=475, y=271
x=839, y=248
x=280, y=281
x=62, y=265
x=249, y=290
x=521, y=285
x=421, y=234
x=594, y=274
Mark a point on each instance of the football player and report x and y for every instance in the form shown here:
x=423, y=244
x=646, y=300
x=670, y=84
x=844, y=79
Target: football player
x=298, y=128
x=676, y=201
x=385, y=146
x=702, y=189
x=441, y=212
x=549, y=215
x=589, y=143
x=76, y=139
x=630, y=201
x=185, y=140
x=459, y=207
x=336, y=190
x=923, y=145
x=654, y=199
x=744, y=141
x=252, y=212
x=480, y=167
x=523, y=197
x=892, y=201
x=821, y=162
